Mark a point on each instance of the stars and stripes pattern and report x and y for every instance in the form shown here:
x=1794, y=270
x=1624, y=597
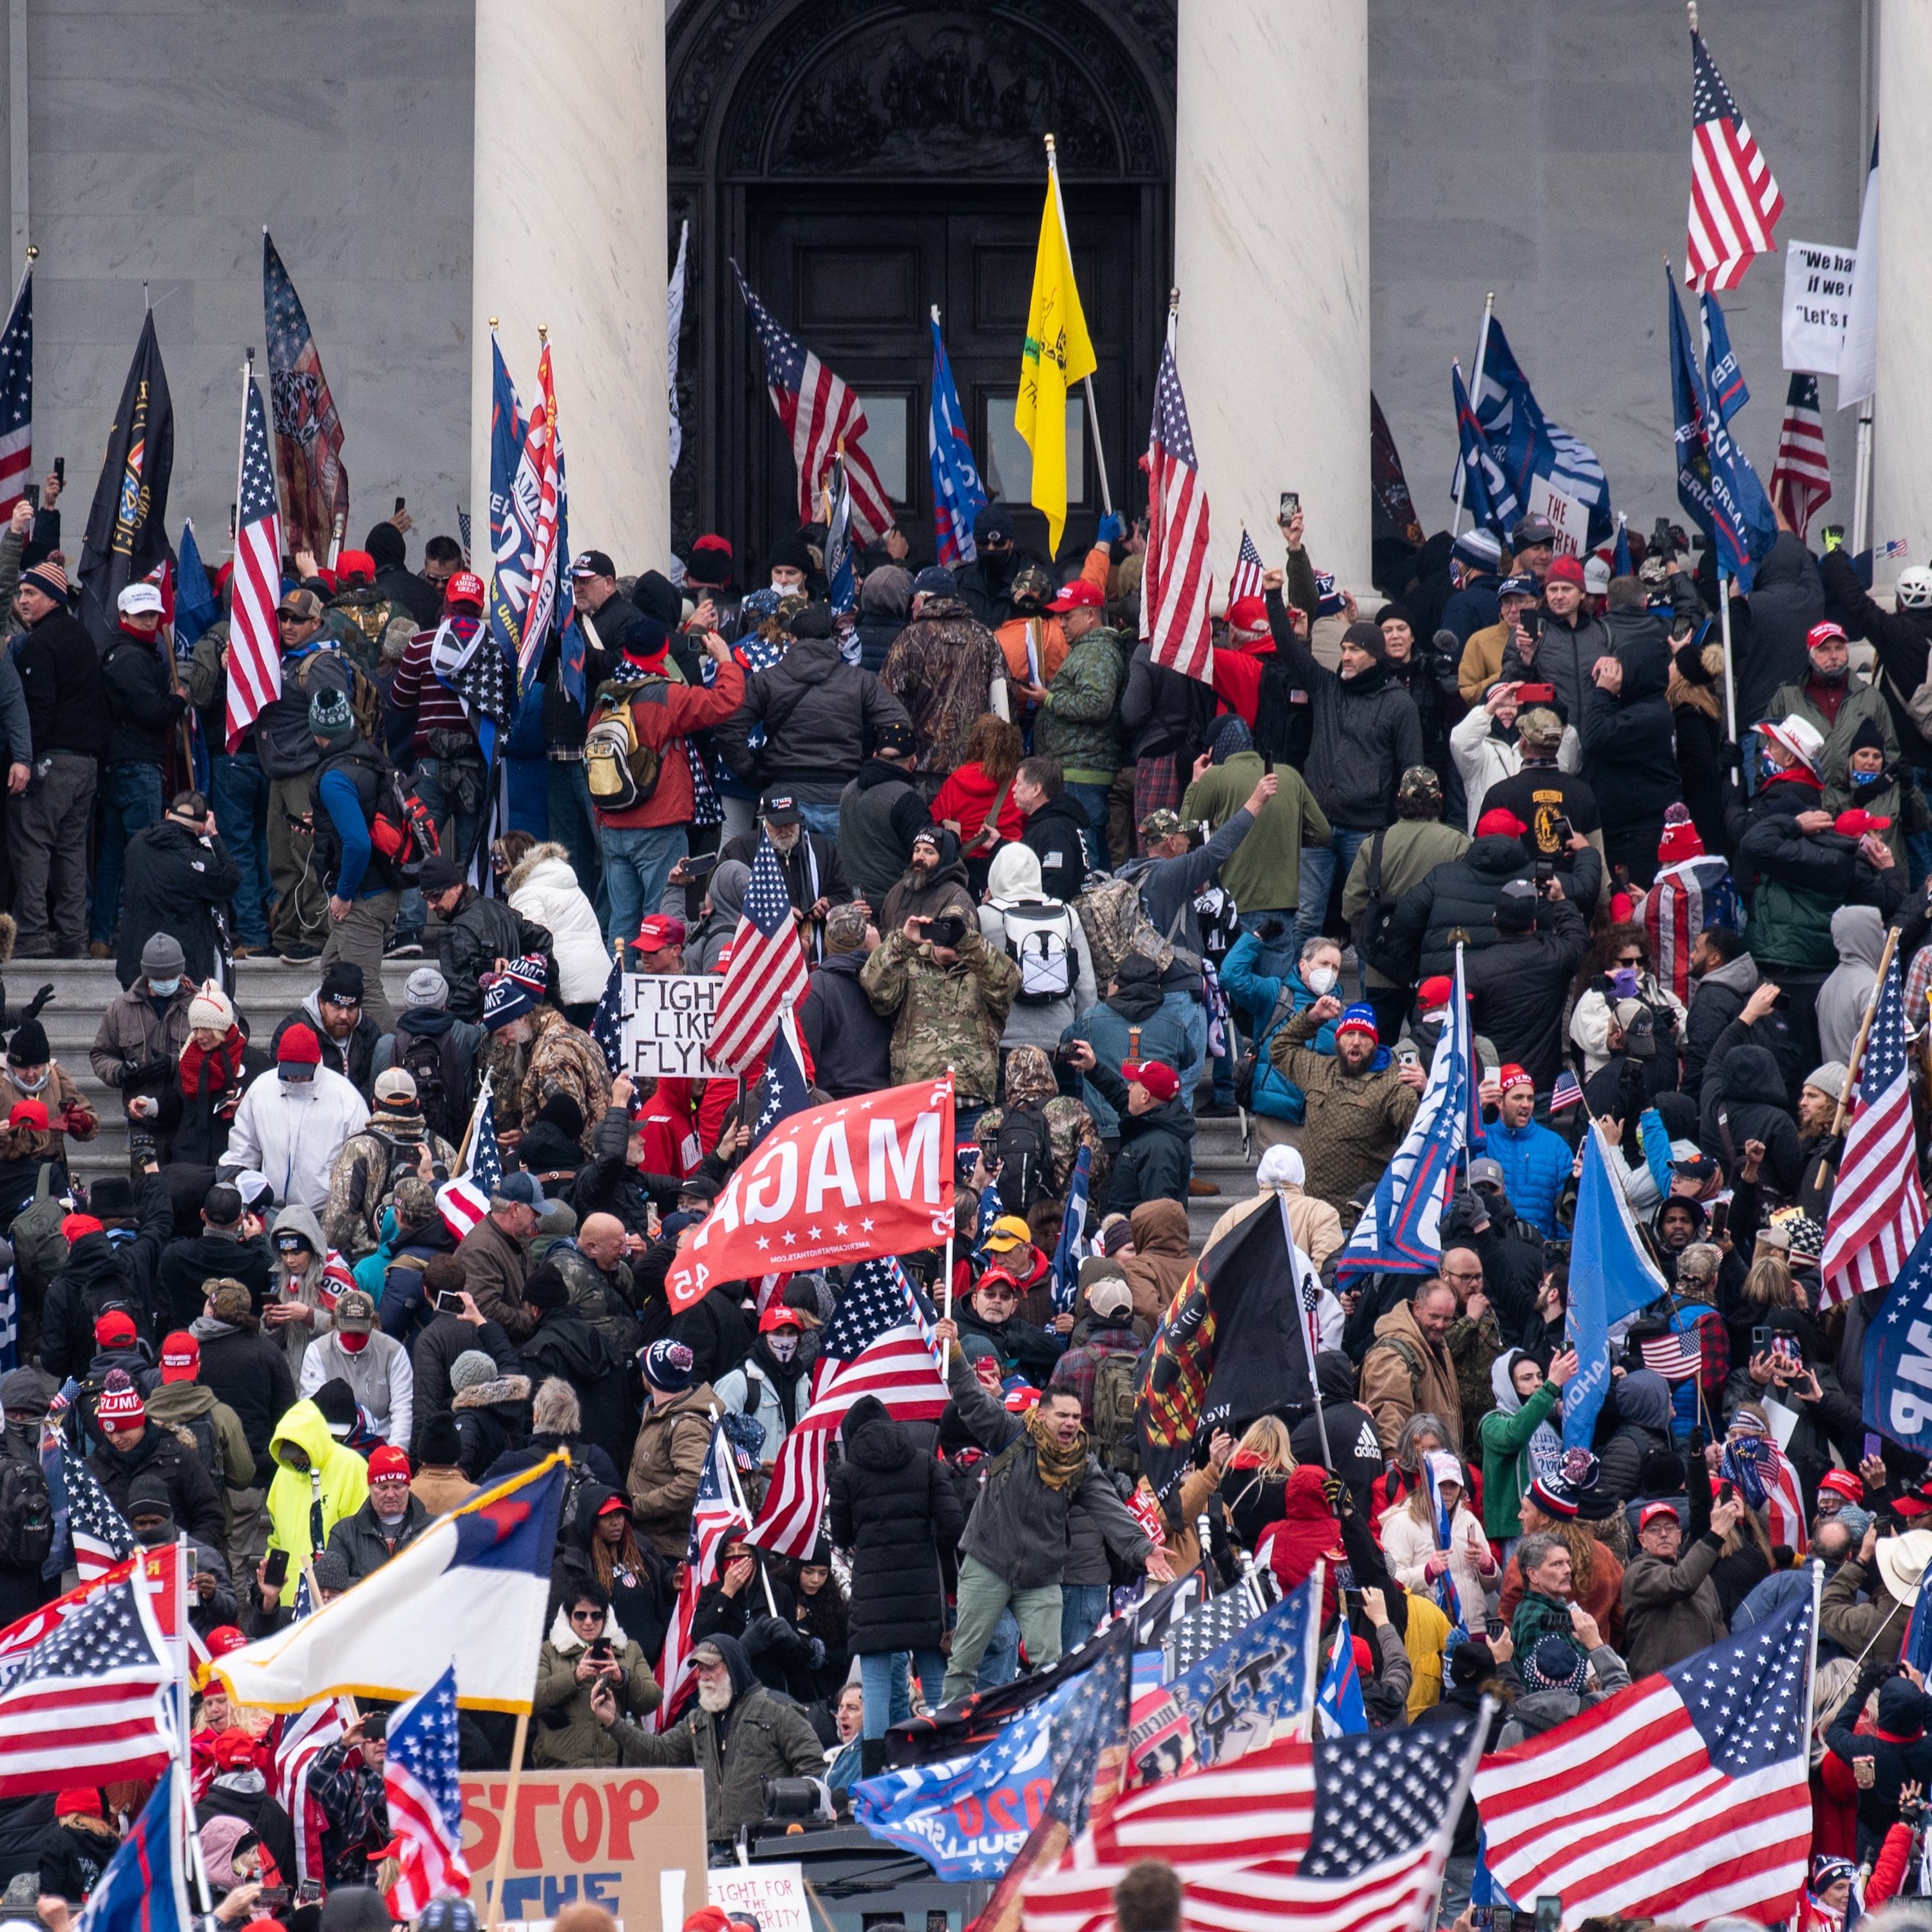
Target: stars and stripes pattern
x=1247, y=579
x=424, y=1801
x=714, y=1513
x=95, y=1534
x=786, y=1093
x=1206, y=1627
x=305, y=1737
x=1349, y=1834
x=1800, y=472
x=1686, y=1796
x=1675, y=1357
x=17, y=397
x=1262, y=1676
x=766, y=971
x=817, y=412
x=1686, y=898
x=254, y=644
x=1878, y=1207
x=879, y=1342
x=90, y=1701
x=607, y=1023
x=166, y=1582
x=1735, y=201
x=308, y=432
x=1173, y=604
x=464, y=1199
x=957, y=494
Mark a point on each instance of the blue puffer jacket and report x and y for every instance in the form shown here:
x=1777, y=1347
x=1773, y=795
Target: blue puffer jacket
x=1535, y=1164
x=1255, y=997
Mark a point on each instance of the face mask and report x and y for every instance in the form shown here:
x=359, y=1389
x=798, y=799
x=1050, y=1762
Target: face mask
x=1862, y=779
x=30, y=1086
x=1320, y=980
x=783, y=1346
x=164, y=989
x=352, y=1344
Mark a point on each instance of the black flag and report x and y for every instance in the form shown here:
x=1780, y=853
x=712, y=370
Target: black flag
x=126, y=529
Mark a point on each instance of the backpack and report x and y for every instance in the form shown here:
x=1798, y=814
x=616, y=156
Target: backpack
x=442, y=1109
x=40, y=1248
x=365, y=701
x=1040, y=943
x=197, y=1434
x=1022, y=1151
x=1411, y=1359
x=403, y=830
x=1110, y=915
x=1247, y=1069
x=1374, y=944
x=1116, y=1432
x=26, y=1515
x=621, y=770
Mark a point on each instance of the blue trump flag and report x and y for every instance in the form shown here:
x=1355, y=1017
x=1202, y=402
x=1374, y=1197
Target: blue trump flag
x=510, y=534
x=1723, y=380
x=1718, y=489
x=196, y=605
x=1611, y=1277
x=144, y=1888
x=1264, y=1674
x=957, y=494
x=1486, y=494
x=1898, y=1355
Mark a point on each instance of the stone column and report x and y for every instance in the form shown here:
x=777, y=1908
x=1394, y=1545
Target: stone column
x=1271, y=257
x=1902, y=408
x=569, y=219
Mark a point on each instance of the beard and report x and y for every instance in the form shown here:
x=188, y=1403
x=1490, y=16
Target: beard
x=714, y=1697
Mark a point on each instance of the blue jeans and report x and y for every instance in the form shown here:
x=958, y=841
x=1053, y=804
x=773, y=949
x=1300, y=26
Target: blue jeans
x=886, y=1679
x=1093, y=797
x=1319, y=865
x=637, y=859
x=1082, y=1607
x=822, y=819
x=239, y=793
x=1191, y=1016
x=130, y=801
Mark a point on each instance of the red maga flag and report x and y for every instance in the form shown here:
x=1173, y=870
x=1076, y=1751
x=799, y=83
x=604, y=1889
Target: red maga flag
x=837, y=1183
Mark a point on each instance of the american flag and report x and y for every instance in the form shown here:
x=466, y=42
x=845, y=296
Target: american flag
x=1568, y=1092
x=714, y=1514
x=1262, y=1676
x=1246, y=580
x=766, y=971
x=17, y=397
x=94, y=1530
x=1735, y=203
x=465, y=1199
x=1684, y=899
x=91, y=1702
x=254, y=643
x=425, y=1803
x=1173, y=606
x=786, y=1093
x=1684, y=1797
x=1675, y=1357
x=879, y=1342
x=1348, y=1834
x=818, y=413
x=1878, y=1207
x=308, y=432
x=1800, y=472
x=305, y=1737
x=1206, y=1627
x=607, y=1023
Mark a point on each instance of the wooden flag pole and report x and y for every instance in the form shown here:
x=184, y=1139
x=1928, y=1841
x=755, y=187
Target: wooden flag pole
x=508, y=1823
x=1864, y=1030
x=738, y=1493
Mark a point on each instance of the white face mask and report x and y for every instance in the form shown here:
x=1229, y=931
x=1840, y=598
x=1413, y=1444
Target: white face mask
x=1320, y=980
x=165, y=989
x=783, y=1344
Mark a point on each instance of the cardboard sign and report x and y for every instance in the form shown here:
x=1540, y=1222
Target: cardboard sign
x=770, y=1897
x=598, y=1838
x=666, y=1021
x=1568, y=517
x=1817, y=304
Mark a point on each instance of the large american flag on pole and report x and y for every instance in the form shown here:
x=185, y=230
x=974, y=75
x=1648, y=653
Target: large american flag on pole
x=766, y=969
x=714, y=1513
x=1687, y=1796
x=1735, y=203
x=818, y=413
x=254, y=644
x=879, y=1342
x=464, y=1198
x=16, y=396
x=1878, y=1207
x=1173, y=603
x=424, y=1801
x=1800, y=472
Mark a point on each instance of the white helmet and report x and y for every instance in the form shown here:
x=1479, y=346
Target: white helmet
x=1914, y=588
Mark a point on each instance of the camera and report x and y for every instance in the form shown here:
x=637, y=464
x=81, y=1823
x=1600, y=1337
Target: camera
x=947, y=929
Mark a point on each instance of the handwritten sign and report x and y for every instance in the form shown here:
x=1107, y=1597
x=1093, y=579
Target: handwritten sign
x=1569, y=517
x=771, y=1897
x=594, y=1837
x=1817, y=304
x=666, y=1021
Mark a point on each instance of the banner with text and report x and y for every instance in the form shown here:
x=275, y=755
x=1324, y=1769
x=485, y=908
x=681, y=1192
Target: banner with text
x=1568, y=516
x=1817, y=304
x=666, y=1021
x=771, y=1897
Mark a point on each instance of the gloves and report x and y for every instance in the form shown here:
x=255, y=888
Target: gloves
x=1112, y=529
x=817, y=1653
x=766, y=1632
x=41, y=999
x=1271, y=929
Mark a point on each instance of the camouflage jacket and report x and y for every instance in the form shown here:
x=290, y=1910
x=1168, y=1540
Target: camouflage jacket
x=371, y=628
x=363, y=1181
x=1079, y=725
x=560, y=1057
x=942, y=667
x=943, y=1015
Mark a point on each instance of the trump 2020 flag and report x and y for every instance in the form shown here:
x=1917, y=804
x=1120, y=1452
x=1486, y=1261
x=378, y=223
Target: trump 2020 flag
x=144, y=1888
x=1611, y=1275
x=475, y=1585
x=1898, y=1355
x=957, y=494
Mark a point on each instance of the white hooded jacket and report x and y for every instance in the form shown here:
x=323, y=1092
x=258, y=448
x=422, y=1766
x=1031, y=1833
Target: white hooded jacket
x=292, y=1130
x=542, y=886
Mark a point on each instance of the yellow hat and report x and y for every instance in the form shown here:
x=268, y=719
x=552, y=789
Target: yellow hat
x=1007, y=1233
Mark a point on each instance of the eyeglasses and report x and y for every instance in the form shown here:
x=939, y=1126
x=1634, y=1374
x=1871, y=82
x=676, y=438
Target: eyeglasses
x=586, y=1616
x=1631, y=959
x=290, y=617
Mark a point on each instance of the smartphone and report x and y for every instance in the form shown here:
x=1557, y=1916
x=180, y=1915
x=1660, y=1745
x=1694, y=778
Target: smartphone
x=310, y=1893
x=1560, y=831
x=448, y=1303
x=31, y=491
x=398, y=510
x=60, y=470
x=1483, y=1917
x=1874, y=1444
x=1720, y=1218
x=1290, y=505
x=1548, y=1912
x=277, y=1572
x=1725, y=1493
x=1494, y=1627
x=272, y=1897
x=1760, y=1340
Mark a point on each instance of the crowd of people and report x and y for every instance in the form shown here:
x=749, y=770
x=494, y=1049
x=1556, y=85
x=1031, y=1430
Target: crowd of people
x=1114, y=901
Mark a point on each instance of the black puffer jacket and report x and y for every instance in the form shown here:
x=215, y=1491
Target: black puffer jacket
x=1463, y=892
x=850, y=1044
x=161, y=1453
x=1902, y=638
x=1567, y=649
x=1627, y=754
x=174, y=881
x=100, y=1271
x=1520, y=988
x=1366, y=733
x=1786, y=598
x=1744, y=1099
x=821, y=717
x=483, y=931
x=897, y=1511
x=142, y=710
x=244, y=1368
x=565, y=1345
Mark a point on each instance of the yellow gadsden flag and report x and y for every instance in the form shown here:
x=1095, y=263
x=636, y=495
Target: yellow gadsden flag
x=1058, y=354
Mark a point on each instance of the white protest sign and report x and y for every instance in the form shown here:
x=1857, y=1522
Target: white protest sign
x=1817, y=304
x=666, y=1021
x=1569, y=517
x=770, y=1897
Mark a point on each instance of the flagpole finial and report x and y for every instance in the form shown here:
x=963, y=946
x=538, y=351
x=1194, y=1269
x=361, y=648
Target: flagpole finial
x=543, y=331
x=493, y=321
x=1174, y=301
x=935, y=311
x=1049, y=147
x=33, y=252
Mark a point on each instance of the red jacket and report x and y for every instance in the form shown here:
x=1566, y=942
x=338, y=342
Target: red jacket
x=664, y=717
x=1237, y=675
x=967, y=796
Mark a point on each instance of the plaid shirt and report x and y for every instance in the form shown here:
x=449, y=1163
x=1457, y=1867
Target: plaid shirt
x=1075, y=1369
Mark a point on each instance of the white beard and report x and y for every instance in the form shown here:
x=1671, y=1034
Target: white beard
x=714, y=1697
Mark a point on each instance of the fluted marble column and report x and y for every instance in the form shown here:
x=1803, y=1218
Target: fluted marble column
x=1902, y=410
x=569, y=216
x=1271, y=257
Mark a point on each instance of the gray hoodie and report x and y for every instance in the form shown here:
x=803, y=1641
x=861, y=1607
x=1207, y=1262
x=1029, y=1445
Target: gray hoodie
x=308, y=1287
x=1859, y=933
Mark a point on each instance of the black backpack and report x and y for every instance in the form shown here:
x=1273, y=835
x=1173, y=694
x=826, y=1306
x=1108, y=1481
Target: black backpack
x=1023, y=1154
x=1373, y=932
x=422, y=1061
x=26, y=1515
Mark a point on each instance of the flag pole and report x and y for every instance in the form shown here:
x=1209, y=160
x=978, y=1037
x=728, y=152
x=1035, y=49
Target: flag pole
x=1482, y=350
x=1864, y=1030
x=1092, y=415
x=1861, y=484
x=1730, y=682
x=738, y=1495
x=241, y=447
x=501, y=1871
x=953, y=1231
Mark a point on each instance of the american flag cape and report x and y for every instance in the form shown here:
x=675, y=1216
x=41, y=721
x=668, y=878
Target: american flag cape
x=16, y=396
x=1686, y=898
x=1878, y=1207
x=1735, y=201
x=766, y=971
x=879, y=1342
x=464, y=1198
x=1801, y=472
x=1347, y=1834
x=817, y=412
x=304, y=1737
x=424, y=1800
x=1178, y=583
x=714, y=1514
x=255, y=588
x=1246, y=580
x=308, y=432
x=1684, y=1797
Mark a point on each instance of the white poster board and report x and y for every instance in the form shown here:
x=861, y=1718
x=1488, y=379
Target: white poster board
x=666, y=1021
x=1818, y=282
x=1569, y=517
x=773, y=1895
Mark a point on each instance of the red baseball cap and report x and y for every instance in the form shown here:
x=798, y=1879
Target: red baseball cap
x=659, y=931
x=223, y=1638
x=115, y=1330
x=1513, y=1075
x=1248, y=614
x=613, y=1503
x=1855, y=823
x=1824, y=634
x=1160, y=1079
x=1500, y=824
x=354, y=563
x=465, y=587
x=779, y=1316
x=28, y=1114
x=389, y=1460
x=1843, y=1482
x=1652, y=1511
x=1436, y=991
x=1079, y=595
x=1564, y=570
x=181, y=1357
x=1020, y=1399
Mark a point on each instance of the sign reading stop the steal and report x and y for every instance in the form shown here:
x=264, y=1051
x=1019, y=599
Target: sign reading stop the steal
x=596, y=1837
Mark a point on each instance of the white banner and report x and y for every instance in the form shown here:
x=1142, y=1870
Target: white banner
x=666, y=1021
x=1817, y=304
x=1568, y=517
x=770, y=1897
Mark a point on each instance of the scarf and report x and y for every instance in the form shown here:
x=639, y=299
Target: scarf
x=223, y=1065
x=1057, y=1466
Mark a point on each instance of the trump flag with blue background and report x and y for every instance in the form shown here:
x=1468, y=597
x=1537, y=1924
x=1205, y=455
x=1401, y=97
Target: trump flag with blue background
x=1898, y=1355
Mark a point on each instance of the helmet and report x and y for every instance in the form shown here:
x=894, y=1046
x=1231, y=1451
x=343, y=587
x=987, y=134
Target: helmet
x=1914, y=588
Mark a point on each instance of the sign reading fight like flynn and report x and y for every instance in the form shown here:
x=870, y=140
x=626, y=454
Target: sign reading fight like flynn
x=1817, y=304
x=840, y=1183
x=588, y=1837
x=666, y=1021
x=1569, y=516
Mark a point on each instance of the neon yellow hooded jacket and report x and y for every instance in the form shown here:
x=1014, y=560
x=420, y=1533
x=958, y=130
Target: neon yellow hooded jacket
x=345, y=1484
